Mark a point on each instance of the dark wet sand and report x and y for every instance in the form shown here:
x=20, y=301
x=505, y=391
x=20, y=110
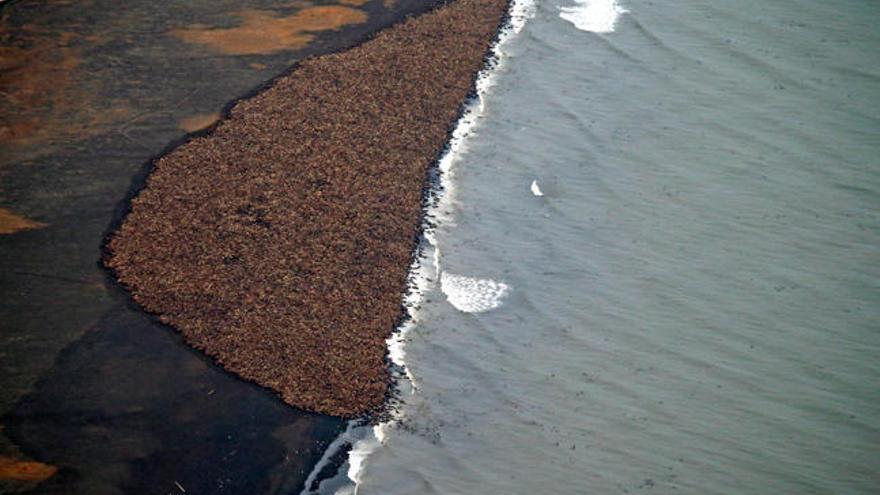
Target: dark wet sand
x=125, y=412
x=279, y=243
x=95, y=395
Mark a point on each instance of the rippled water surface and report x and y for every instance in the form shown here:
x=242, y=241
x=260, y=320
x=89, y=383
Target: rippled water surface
x=692, y=304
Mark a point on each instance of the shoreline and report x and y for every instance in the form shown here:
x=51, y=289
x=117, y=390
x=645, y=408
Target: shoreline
x=325, y=381
x=358, y=442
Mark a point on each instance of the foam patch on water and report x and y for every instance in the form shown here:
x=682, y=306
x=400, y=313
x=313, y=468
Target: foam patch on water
x=472, y=295
x=536, y=189
x=596, y=16
x=520, y=12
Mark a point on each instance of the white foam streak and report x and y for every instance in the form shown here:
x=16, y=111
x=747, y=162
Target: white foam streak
x=597, y=16
x=353, y=432
x=358, y=456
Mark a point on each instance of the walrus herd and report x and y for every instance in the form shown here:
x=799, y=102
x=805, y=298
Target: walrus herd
x=279, y=242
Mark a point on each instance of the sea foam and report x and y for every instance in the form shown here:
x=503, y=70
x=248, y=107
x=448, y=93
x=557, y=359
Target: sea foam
x=597, y=16
x=472, y=295
x=536, y=189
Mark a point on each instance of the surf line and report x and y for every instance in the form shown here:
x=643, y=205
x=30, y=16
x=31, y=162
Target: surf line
x=425, y=271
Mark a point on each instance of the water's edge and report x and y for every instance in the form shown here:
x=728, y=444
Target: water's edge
x=361, y=438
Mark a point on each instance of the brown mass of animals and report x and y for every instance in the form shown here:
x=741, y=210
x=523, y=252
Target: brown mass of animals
x=279, y=242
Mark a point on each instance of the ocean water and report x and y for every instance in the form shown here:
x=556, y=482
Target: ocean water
x=656, y=265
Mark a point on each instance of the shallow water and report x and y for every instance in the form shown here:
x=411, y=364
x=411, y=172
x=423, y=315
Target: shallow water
x=692, y=305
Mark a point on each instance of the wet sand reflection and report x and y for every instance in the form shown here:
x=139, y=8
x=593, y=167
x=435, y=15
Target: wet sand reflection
x=11, y=223
x=263, y=31
x=17, y=470
x=198, y=122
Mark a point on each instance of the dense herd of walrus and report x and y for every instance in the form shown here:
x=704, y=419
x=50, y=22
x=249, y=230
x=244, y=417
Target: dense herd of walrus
x=279, y=242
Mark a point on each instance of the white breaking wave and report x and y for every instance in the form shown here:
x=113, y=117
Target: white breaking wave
x=597, y=16
x=472, y=295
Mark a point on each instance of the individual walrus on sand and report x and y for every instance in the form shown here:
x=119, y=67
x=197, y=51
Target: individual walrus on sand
x=279, y=243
